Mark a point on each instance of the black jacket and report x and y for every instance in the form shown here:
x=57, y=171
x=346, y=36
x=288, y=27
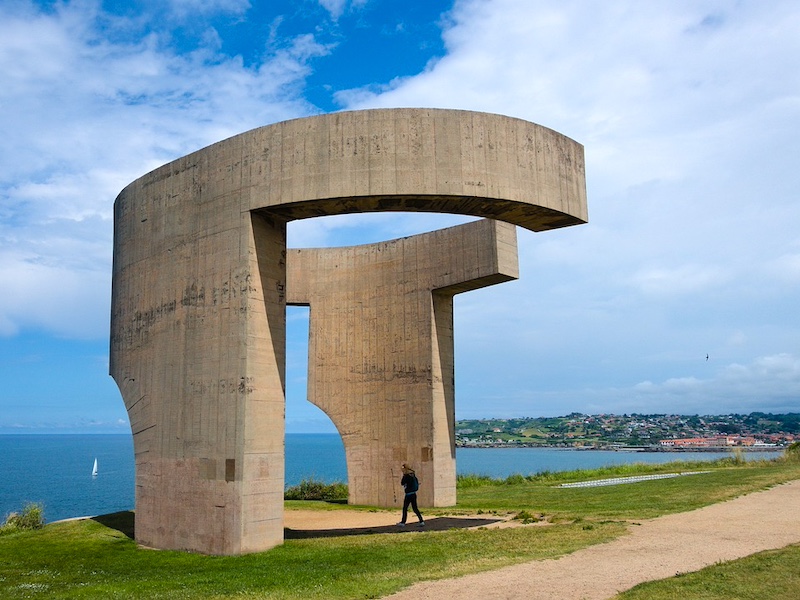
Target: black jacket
x=410, y=483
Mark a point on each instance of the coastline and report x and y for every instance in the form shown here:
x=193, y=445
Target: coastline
x=653, y=449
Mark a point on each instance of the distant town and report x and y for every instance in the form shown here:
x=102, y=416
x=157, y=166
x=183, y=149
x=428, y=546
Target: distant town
x=656, y=432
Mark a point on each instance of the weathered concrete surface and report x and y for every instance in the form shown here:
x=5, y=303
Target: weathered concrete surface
x=198, y=300
x=381, y=348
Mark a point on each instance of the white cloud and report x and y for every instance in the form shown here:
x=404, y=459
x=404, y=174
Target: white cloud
x=188, y=8
x=688, y=111
x=737, y=338
x=651, y=89
x=786, y=267
x=771, y=380
x=767, y=384
x=87, y=104
x=68, y=301
x=337, y=7
x=689, y=114
x=679, y=280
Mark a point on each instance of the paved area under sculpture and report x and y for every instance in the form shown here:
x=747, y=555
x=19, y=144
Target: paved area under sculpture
x=200, y=289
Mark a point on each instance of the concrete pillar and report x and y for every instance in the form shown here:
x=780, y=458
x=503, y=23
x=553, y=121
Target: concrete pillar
x=381, y=348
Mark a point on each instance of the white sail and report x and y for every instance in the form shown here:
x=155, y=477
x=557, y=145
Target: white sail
x=94, y=469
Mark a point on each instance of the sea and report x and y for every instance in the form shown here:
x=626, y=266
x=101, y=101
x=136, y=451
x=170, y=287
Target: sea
x=56, y=470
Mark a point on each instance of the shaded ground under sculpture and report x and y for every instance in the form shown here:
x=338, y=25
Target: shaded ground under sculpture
x=199, y=287
x=381, y=348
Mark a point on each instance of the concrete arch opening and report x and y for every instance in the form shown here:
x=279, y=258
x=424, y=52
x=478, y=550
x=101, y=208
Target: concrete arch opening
x=381, y=360
x=314, y=447
x=202, y=277
x=334, y=231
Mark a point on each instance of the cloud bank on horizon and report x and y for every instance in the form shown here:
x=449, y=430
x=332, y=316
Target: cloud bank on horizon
x=689, y=112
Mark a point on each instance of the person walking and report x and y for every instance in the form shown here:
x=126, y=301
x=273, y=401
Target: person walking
x=410, y=484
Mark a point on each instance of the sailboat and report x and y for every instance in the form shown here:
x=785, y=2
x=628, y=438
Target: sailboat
x=94, y=469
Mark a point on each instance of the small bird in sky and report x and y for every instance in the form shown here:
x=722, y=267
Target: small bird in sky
x=706, y=357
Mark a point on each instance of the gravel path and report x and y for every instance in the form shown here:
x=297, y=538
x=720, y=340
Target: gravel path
x=655, y=549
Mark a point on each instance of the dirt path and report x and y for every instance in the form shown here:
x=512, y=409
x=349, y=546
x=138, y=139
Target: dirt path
x=656, y=549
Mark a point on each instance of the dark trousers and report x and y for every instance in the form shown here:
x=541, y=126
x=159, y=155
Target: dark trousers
x=412, y=500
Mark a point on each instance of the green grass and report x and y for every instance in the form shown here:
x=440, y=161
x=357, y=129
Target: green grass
x=539, y=493
x=85, y=559
x=94, y=559
x=774, y=574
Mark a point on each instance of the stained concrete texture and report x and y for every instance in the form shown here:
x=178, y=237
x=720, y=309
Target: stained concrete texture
x=199, y=288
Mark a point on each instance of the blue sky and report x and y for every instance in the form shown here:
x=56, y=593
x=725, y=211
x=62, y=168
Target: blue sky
x=689, y=111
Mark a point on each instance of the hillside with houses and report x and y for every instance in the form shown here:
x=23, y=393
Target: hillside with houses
x=656, y=432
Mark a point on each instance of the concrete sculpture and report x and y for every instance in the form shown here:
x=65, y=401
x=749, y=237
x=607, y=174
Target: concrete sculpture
x=381, y=348
x=199, y=288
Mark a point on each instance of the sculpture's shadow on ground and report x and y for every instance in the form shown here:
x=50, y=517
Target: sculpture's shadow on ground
x=433, y=524
x=123, y=521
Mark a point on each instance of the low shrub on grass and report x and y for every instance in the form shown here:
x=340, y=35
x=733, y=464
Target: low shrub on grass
x=792, y=452
x=309, y=489
x=527, y=517
x=514, y=479
x=31, y=517
x=736, y=458
x=472, y=480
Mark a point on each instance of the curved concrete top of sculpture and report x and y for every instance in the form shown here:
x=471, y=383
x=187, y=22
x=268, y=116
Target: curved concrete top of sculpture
x=418, y=160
